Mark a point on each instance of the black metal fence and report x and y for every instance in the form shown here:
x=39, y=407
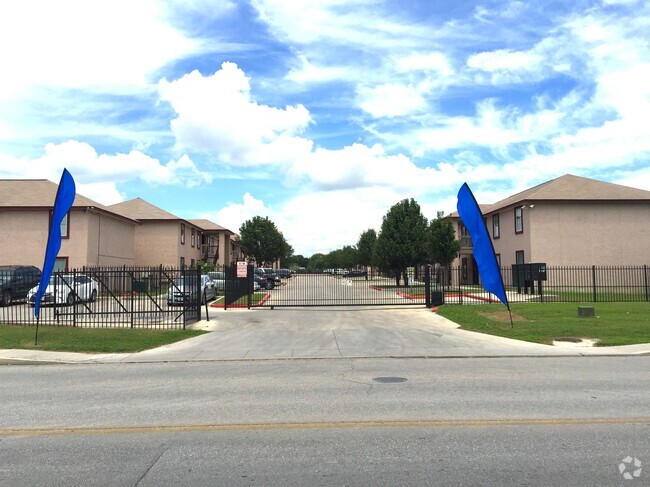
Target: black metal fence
x=142, y=297
x=567, y=284
x=431, y=286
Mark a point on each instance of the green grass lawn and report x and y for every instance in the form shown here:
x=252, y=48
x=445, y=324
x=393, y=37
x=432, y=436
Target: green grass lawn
x=89, y=340
x=614, y=324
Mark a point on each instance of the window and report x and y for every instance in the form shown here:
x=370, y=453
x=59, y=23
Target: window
x=182, y=234
x=65, y=225
x=496, y=233
x=519, y=219
x=182, y=262
x=498, y=256
x=519, y=256
x=193, y=239
x=192, y=263
x=60, y=264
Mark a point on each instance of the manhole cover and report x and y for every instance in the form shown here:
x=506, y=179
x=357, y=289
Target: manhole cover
x=389, y=380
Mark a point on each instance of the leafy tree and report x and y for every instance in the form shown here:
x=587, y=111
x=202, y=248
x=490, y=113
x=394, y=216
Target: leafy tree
x=443, y=246
x=402, y=241
x=261, y=241
x=316, y=262
x=365, y=246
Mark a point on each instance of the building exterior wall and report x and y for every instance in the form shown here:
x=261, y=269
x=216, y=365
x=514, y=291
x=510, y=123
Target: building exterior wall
x=23, y=237
x=111, y=242
x=510, y=242
x=159, y=243
x=591, y=233
x=26, y=241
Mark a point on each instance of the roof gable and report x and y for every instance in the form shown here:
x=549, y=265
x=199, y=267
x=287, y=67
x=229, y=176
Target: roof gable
x=208, y=225
x=41, y=193
x=140, y=209
x=574, y=188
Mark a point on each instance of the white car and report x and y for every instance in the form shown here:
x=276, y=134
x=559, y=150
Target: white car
x=183, y=292
x=66, y=289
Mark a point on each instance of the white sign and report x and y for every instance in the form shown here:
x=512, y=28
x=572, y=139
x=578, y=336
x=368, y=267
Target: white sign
x=242, y=270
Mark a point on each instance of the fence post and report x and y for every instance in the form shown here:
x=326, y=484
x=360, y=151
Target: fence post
x=593, y=277
x=132, y=302
x=427, y=286
x=460, y=291
x=645, y=278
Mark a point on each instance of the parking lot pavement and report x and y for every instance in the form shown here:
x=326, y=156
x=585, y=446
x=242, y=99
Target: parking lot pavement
x=290, y=333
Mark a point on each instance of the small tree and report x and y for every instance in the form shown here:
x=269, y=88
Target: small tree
x=402, y=241
x=262, y=241
x=365, y=246
x=443, y=246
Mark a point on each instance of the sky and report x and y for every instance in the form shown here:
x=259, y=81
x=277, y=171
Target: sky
x=322, y=114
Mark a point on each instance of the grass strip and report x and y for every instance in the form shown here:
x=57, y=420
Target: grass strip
x=613, y=324
x=89, y=340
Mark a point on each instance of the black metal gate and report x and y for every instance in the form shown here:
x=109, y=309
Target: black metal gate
x=335, y=288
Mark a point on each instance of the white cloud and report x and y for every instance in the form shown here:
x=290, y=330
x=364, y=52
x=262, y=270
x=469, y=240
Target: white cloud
x=306, y=72
x=233, y=215
x=391, y=100
x=217, y=115
x=79, y=43
x=100, y=173
x=435, y=62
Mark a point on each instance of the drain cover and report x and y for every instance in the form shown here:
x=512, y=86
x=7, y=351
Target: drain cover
x=389, y=380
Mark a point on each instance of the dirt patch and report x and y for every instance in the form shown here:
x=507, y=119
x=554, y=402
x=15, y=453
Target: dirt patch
x=503, y=316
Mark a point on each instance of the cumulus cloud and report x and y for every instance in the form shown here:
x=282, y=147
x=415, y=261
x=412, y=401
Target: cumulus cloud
x=216, y=114
x=391, y=100
x=76, y=43
x=99, y=174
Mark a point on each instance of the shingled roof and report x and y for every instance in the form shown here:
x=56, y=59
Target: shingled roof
x=569, y=188
x=574, y=188
x=40, y=194
x=140, y=209
x=208, y=225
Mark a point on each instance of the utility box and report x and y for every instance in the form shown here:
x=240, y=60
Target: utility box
x=437, y=298
x=525, y=275
x=586, y=312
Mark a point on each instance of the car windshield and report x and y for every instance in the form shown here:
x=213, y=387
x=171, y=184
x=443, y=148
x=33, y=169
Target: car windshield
x=59, y=280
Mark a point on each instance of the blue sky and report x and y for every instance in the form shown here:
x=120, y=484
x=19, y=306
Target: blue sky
x=323, y=114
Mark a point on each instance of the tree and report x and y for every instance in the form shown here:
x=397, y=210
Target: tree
x=443, y=246
x=402, y=241
x=365, y=246
x=261, y=241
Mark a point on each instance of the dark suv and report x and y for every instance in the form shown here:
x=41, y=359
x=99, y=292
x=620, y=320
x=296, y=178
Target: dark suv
x=16, y=281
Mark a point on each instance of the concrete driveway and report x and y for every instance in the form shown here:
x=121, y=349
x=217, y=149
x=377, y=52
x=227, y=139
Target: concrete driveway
x=285, y=333
x=289, y=333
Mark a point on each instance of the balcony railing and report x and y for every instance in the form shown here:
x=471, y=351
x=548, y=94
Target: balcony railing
x=466, y=242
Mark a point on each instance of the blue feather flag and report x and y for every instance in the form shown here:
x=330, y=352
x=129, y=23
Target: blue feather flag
x=486, y=260
x=62, y=204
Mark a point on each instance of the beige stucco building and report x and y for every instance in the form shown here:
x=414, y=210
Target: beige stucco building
x=132, y=233
x=92, y=234
x=219, y=245
x=568, y=221
x=162, y=238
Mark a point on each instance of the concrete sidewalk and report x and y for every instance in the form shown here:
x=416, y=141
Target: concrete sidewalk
x=318, y=333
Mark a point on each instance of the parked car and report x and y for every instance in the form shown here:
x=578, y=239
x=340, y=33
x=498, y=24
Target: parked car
x=16, y=281
x=260, y=277
x=219, y=279
x=284, y=273
x=66, y=289
x=182, y=291
x=271, y=274
x=356, y=273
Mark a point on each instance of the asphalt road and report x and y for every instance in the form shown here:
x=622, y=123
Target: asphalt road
x=499, y=421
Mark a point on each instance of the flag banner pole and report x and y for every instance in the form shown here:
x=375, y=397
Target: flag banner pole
x=483, y=249
x=65, y=195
